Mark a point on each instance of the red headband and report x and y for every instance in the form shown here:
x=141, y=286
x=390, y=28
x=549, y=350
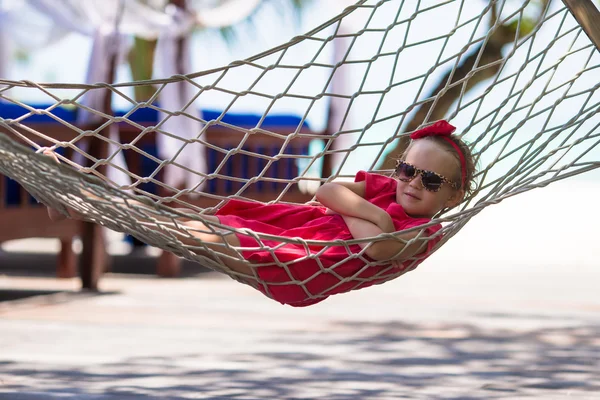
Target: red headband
x=444, y=130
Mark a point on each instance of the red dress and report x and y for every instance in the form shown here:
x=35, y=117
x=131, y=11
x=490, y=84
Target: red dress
x=306, y=281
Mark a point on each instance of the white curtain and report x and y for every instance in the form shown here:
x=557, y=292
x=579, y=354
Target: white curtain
x=338, y=107
x=4, y=51
x=107, y=45
x=88, y=16
x=27, y=27
x=224, y=13
x=108, y=23
x=174, y=97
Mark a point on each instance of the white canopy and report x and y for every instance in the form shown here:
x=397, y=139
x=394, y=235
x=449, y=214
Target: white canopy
x=110, y=23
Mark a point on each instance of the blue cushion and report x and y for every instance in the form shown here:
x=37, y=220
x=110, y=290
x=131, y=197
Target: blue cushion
x=150, y=116
x=14, y=111
x=145, y=115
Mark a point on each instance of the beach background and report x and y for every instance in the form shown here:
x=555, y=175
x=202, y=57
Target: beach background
x=498, y=312
x=508, y=308
x=559, y=217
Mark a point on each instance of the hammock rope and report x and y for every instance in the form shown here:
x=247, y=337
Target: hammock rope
x=535, y=122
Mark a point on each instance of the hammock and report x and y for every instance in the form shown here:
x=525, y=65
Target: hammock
x=519, y=79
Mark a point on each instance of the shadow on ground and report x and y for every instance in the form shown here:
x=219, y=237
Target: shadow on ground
x=44, y=265
x=137, y=262
x=12, y=298
x=350, y=361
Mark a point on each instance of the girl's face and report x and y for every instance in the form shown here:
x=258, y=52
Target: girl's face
x=413, y=197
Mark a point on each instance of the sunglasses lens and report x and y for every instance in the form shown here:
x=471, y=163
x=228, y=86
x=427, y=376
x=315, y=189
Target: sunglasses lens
x=431, y=181
x=405, y=171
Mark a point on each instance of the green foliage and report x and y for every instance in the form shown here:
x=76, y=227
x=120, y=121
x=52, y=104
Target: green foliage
x=526, y=27
x=529, y=20
x=228, y=34
x=21, y=56
x=141, y=57
x=142, y=54
x=298, y=4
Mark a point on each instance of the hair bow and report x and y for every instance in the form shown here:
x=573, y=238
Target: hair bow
x=440, y=128
x=444, y=129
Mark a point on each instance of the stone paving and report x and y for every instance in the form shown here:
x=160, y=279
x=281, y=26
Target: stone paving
x=508, y=315
x=424, y=336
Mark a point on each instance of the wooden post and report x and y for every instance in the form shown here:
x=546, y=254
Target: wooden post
x=94, y=260
x=588, y=16
x=66, y=262
x=168, y=264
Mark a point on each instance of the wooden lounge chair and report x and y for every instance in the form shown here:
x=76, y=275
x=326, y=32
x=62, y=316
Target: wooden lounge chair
x=32, y=221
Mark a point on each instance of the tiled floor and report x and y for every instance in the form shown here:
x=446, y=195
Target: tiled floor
x=426, y=335
x=508, y=309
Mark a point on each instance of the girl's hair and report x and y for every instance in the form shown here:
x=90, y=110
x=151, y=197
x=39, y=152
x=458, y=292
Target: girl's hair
x=470, y=168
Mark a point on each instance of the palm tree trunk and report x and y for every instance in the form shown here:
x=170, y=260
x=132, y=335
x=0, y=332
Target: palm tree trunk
x=141, y=59
x=491, y=52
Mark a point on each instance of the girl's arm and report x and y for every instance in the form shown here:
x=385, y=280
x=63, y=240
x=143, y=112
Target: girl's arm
x=385, y=249
x=347, y=199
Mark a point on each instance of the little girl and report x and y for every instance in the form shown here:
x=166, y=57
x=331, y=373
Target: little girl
x=434, y=173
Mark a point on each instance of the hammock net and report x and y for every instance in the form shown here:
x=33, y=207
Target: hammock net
x=518, y=78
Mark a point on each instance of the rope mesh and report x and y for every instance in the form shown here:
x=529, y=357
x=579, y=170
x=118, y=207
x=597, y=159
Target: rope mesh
x=531, y=121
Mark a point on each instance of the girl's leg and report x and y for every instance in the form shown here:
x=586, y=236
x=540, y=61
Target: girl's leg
x=218, y=242
x=214, y=239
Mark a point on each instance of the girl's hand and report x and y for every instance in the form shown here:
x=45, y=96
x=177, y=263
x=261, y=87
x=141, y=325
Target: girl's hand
x=53, y=214
x=50, y=153
x=313, y=203
x=385, y=223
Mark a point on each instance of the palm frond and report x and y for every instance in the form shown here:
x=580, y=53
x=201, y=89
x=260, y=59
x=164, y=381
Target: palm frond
x=229, y=32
